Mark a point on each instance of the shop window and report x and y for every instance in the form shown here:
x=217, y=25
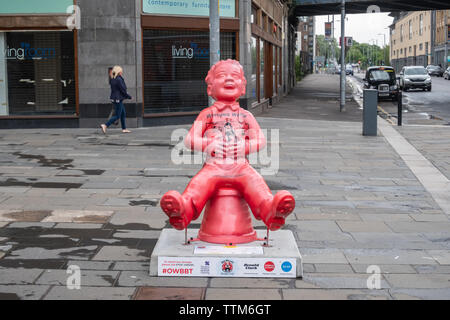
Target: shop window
x=280, y=65
x=254, y=16
x=38, y=73
x=261, y=74
x=175, y=64
x=274, y=69
x=264, y=22
x=251, y=83
x=270, y=26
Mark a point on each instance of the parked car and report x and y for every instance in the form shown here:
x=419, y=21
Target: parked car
x=383, y=79
x=435, y=71
x=447, y=74
x=415, y=78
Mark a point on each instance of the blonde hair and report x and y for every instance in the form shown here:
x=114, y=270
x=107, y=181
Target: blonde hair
x=116, y=71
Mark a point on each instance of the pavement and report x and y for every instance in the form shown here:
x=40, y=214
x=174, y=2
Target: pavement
x=368, y=208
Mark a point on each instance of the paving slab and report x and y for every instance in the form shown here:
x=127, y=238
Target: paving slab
x=23, y=215
x=333, y=268
x=18, y=276
x=333, y=294
x=137, y=234
x=250, y=283
x=425, y=227
x=385, y=268
x=79, y=253
x=338, y=281
x=131, y=266
x=91, y=265
x=420, y=294
x=321, y=255
x=441, y=256
x=164, y=293
x=80, y=216
x=362, y=226
x=142, y=278
x=431, y=269
x=46, y=225
x=419, y=281
x=120, y=253
x=90, y=293
x=22, y=292
x=88, y=278
x=388, y=256
x=242, y=294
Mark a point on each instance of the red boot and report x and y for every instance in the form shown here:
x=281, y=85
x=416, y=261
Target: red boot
x=179, y=210
x=282, y=205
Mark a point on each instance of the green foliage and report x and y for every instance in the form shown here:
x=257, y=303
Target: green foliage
x=298, y=68
x=368, y=54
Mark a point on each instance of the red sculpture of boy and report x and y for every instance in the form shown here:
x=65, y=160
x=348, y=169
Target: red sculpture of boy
x=227, y=134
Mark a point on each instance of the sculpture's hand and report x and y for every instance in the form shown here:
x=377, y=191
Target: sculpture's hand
x=215, y=148
x=237, y=149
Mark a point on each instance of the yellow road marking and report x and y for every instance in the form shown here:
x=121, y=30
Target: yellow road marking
x=386, y=113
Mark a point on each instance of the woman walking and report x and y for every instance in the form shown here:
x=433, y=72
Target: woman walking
x=118, y=94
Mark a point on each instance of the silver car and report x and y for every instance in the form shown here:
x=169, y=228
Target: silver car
x=415, y=78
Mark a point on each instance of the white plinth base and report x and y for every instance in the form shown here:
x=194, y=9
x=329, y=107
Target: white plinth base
x=172, y=258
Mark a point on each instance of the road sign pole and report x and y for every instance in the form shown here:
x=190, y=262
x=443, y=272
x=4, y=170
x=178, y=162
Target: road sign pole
x=343, y=69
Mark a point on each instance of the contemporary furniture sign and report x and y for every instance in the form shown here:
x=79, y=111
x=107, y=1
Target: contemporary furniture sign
x=188, y=7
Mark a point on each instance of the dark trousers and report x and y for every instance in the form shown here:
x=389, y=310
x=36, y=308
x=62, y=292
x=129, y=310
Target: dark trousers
x=120, y=114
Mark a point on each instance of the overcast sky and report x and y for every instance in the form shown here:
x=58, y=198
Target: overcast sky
x=362, y=27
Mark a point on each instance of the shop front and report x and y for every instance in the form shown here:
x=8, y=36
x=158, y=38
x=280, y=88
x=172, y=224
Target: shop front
x=175, y=54
x=266, y=57
x=37, y=65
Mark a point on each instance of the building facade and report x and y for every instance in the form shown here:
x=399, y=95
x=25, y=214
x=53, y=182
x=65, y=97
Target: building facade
x=305, y=43
x=411, y=39
x=55, y=54
x=442, y=42
x=420, y=38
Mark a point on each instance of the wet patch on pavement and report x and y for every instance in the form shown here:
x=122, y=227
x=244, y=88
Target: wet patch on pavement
x=152, y=203
x=274, y=185
x=53, y=185
x=44, y=162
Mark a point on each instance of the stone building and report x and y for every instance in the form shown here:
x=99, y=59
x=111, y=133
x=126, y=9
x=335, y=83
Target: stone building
x=411, y=39
x=305, y=42
x=53, y=70
x=442, y=42
x=420, y=38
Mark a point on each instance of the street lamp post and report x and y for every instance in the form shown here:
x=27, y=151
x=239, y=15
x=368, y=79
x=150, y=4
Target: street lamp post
x=343, y=80
x=384, y=45
x=214, y=35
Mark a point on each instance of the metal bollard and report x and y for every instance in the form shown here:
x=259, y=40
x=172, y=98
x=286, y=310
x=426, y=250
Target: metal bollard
x=399, y=108
x=370, y=115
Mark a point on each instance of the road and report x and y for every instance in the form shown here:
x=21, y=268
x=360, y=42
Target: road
x=419, y=107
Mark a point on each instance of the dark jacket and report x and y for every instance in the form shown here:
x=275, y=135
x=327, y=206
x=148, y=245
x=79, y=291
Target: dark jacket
x=119, y=89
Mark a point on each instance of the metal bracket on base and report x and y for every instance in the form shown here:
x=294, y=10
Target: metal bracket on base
x=191, y=239
x=266, y=239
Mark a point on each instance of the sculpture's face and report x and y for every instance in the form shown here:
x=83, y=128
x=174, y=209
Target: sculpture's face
x=228, y=84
